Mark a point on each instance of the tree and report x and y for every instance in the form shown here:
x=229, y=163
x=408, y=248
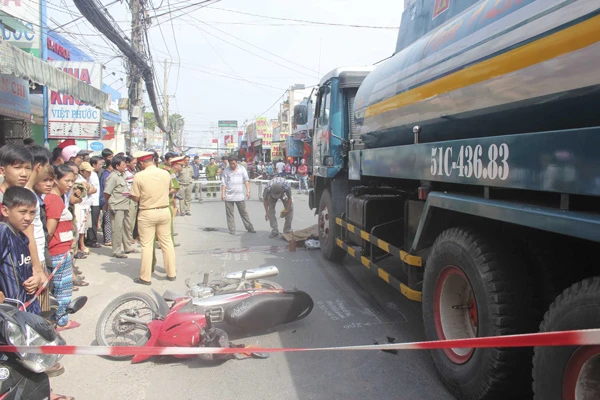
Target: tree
x=149, y=121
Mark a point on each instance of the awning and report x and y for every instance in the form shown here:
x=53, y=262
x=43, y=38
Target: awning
x=17, y=62
x=11, y=23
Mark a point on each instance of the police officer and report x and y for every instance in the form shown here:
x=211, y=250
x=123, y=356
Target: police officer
x=186, y=182
x=151, y=188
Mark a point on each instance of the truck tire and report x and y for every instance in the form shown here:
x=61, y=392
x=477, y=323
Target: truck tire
x=473, y=289
x=328, y=229
x=572, y=372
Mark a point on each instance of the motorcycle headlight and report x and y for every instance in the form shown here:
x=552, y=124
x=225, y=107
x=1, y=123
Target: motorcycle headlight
x=35, y=362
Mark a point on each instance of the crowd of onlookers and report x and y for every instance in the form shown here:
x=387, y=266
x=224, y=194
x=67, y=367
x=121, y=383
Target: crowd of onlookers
x=292, y=169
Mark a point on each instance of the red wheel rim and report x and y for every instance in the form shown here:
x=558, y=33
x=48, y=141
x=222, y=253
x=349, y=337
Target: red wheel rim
x=455, y=311
x=580, y=381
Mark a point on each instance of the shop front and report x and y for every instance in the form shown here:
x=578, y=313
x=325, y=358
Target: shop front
x=15, y=109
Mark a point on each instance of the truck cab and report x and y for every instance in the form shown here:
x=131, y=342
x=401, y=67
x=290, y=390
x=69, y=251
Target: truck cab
x=334, y=135
x=334, y=128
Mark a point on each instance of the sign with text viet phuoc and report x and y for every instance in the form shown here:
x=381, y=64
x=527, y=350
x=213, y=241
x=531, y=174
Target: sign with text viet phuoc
x=28, y=14
x=68, y=117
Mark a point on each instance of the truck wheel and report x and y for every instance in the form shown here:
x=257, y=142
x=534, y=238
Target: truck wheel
x=472, y=289
x=328, y=229
x=570, y=373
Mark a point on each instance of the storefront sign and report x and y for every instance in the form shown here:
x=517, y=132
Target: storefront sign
x=96, y=146
x=14, y=97
x=29, y=14
x=263, y=132
x=69, y=117
x=276, y=151
x=227, y=124
x=58, y=49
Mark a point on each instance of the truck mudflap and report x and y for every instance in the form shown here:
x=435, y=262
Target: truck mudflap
x=409, y=259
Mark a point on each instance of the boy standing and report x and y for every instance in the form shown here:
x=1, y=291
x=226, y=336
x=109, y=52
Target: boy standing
x=16, y=163
x=18, y=211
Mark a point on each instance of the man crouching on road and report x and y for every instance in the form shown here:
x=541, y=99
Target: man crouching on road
x=277, y=189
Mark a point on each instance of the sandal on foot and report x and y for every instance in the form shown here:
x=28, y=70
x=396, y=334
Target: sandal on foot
x=142, y=282
x=119, y=256
x=80, y=282
x=70, y=325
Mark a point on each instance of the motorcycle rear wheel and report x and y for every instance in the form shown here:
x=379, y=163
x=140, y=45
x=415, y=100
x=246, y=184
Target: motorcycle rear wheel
x=112, y=332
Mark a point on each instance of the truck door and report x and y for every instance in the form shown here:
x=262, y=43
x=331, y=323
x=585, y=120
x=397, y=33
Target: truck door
x=321, y=127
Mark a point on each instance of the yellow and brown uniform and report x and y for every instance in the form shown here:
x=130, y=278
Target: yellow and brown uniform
x=151, y=186
x=186, y=180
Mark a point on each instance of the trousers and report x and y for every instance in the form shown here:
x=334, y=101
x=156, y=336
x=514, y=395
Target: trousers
x=119, y=237
x=197, y=188
x=92, y=233
x=130, y=221
x=241, y=206
x=186, y=192
x=211, y=189
x=106, y=228
x=152, y=225
x=287, y=226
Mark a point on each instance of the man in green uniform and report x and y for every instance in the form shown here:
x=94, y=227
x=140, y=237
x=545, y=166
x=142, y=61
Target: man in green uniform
x=212, y=170
x=186, y=180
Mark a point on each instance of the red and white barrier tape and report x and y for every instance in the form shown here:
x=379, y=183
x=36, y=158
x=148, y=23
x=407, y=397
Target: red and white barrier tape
x=590, y=337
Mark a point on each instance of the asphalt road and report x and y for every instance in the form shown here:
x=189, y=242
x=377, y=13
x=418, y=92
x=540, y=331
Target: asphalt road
x=352, y=307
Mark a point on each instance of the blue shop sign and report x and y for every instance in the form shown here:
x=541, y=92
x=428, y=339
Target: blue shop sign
x=14, y=97
x=96, y=146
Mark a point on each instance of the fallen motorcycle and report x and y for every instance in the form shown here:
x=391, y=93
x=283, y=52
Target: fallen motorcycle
x=242, y=300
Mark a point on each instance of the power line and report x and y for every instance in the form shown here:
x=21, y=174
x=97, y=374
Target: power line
x=253, y=45
x=305, y=21
x=201, y=3
x=273, y=105
x=176, y=47
x=254, y=54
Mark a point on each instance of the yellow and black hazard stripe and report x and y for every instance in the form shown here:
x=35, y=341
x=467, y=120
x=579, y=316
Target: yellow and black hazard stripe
x=383, y=274
x=409, y=259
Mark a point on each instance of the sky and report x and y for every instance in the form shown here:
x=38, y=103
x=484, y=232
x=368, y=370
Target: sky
x=223, y=64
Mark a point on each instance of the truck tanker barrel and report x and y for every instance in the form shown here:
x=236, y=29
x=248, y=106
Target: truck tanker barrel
x=465, y=69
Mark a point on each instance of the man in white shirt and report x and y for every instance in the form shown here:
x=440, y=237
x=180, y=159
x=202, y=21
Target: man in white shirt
x=94, y=181
x=280, y=166
x=234, y=180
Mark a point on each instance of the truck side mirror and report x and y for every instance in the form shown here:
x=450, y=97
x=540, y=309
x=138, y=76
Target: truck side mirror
x=300, y=114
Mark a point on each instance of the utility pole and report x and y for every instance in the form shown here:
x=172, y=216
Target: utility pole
x=166, y=108
x=136, y=84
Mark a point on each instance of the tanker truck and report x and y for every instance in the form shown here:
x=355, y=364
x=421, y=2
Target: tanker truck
x=465, y=172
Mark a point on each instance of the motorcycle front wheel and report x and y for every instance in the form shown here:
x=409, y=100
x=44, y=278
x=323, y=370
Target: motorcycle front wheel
x=113, y=330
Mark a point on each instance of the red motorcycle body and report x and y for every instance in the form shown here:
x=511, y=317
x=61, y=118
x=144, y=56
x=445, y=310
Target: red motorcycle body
x=178, y=329
x=184, y=324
